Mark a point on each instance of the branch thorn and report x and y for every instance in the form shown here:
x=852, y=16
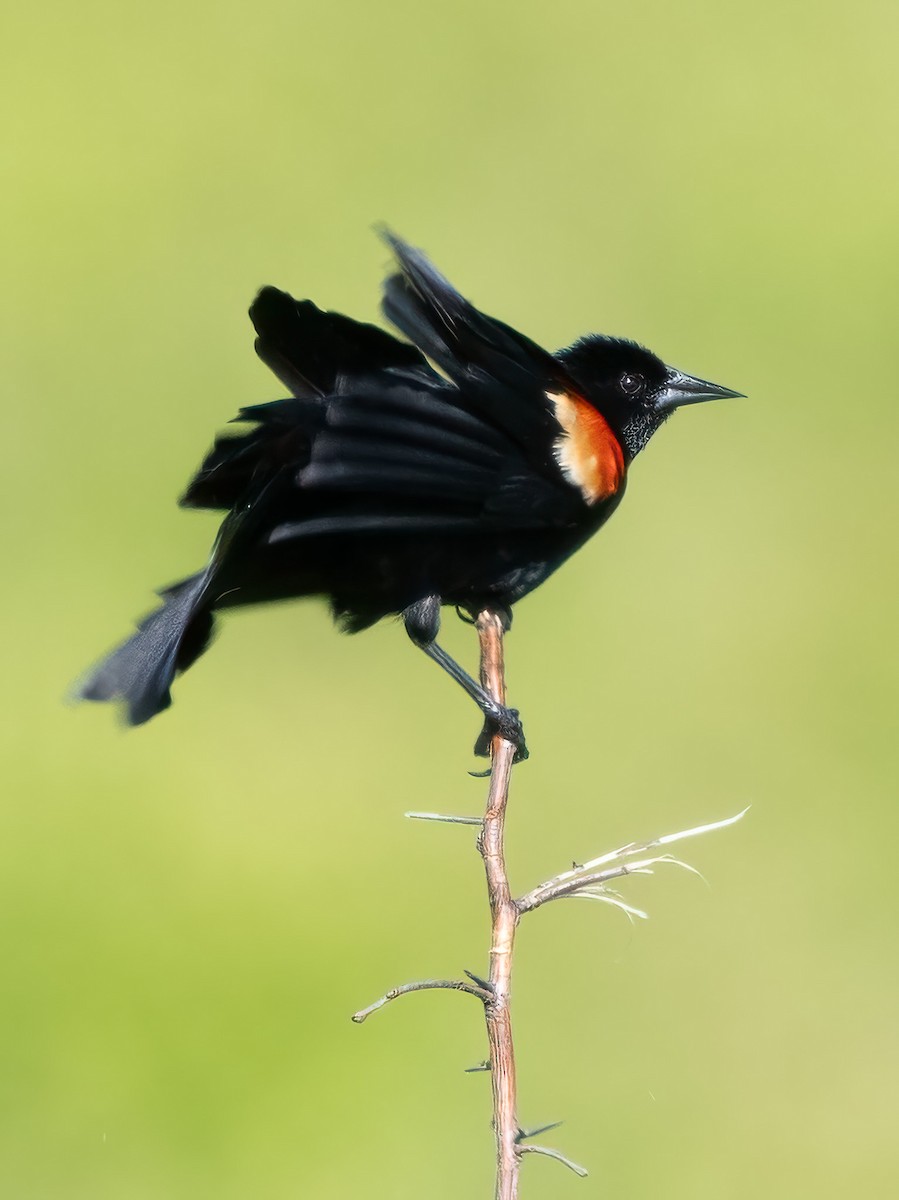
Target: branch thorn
x=525, y=1134
x=484, y=984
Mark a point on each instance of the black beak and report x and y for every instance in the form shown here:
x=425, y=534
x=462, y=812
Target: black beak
x=681, y=389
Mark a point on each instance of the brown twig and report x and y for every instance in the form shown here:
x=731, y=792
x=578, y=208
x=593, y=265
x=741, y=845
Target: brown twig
x=567, y=1162
x=494, y=992
x=420, y=985
x=587, y=880
x=505, y=915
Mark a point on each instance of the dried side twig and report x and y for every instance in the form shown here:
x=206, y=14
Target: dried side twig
x=585, y=880
x=567, y=1162
x=421, y=985
x=446, y=818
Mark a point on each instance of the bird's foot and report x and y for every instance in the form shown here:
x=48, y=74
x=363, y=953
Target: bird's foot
x=505, y=723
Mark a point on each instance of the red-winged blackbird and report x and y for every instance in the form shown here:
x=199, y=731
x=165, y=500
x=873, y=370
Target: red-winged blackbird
x=391, y=489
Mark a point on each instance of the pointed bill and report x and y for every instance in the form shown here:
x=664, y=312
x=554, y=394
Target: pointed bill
x=681, y=389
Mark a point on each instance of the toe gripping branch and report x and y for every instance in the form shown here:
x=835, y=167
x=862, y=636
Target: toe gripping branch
x=423, y=624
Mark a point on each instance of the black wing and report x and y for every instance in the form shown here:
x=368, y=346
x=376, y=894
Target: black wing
x=395, y=457
x=375, y=438
x=500, y=372
x=315, y=354
x=282, y=434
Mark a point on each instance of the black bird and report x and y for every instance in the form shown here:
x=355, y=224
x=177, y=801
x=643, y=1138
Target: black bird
x=390, y=488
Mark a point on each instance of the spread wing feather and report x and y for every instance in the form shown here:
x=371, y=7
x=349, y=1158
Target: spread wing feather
x=346, y=523
x=412, y=470
x=312, y=352
x=282, y=434
x=374, y=439
x=316, y=355
x=501, y=374
x=391, y=451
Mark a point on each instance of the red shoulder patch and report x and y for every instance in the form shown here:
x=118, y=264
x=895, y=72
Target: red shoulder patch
x=587, y=451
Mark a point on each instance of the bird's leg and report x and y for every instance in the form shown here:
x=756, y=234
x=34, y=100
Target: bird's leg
x=498, y=718
x=422, y=623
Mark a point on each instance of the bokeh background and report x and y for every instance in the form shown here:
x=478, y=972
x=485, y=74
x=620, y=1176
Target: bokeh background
x=190, y=912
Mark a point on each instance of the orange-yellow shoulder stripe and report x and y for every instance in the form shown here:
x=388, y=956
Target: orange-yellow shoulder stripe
x=586, y=450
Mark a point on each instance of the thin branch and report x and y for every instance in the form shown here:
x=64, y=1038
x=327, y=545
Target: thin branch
x=567, y=1162
x=505, y=915
x=581, y=884
x=421, y=985
x=448, y=820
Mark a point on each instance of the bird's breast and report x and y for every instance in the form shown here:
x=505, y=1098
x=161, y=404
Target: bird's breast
x=587, y=451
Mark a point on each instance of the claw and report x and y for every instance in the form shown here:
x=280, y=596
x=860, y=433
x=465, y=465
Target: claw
x=505, y=723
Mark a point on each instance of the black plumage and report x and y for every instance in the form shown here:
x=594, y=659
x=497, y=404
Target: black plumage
x=390, y=487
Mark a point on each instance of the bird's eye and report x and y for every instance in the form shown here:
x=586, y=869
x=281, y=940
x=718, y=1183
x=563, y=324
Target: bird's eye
x=630, y=383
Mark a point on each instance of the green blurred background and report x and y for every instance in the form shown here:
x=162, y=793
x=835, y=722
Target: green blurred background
x=190, y=912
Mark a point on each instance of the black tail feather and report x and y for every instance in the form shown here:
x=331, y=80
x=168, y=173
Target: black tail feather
x=141, y=670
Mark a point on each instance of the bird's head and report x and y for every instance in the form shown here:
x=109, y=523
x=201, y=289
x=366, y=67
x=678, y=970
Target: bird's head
x=633, y=389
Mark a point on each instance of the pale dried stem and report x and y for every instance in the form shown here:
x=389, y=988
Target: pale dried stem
x=446, y=818
x=571, y=887
x=505, y=915
x=623, y=861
